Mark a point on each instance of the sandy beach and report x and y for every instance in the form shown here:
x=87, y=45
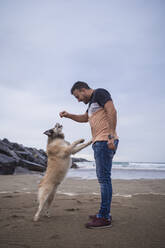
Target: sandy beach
x=137, y=208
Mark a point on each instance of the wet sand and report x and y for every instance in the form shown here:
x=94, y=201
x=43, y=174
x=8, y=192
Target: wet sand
x=137, y=210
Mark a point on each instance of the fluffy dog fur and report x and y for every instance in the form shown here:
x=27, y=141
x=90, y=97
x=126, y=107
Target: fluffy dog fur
x=59, y=161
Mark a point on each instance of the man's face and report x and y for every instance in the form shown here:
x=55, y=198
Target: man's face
x=81, y=95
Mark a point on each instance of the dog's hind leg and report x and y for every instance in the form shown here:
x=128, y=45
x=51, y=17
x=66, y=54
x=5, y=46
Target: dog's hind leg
x=43, y=196
x=49, y=201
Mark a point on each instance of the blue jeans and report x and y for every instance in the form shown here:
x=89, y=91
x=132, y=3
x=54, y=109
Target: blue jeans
x=103, y=158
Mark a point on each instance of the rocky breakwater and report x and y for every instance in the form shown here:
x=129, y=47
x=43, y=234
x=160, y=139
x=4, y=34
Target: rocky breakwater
x=17, y=158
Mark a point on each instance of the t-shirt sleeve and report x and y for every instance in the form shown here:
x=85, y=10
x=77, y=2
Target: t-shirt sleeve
x=102, y=96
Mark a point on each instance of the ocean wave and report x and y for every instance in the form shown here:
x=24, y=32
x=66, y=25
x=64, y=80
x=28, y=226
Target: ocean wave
x=126, y=166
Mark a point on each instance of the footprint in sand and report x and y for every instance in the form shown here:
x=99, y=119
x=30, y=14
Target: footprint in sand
x=13, y=244
x=56, y=236
x=17, y=216
x=72, y=209
x=7, y=196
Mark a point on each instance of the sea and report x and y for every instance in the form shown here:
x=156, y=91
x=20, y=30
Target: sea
x=121, y=170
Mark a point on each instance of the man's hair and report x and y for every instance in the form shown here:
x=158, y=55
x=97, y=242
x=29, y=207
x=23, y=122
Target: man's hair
x=78, y=86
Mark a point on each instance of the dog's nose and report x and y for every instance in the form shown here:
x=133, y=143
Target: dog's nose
x=48, y=132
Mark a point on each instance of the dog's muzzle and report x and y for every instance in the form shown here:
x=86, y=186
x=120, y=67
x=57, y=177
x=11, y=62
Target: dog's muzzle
x=48, y=132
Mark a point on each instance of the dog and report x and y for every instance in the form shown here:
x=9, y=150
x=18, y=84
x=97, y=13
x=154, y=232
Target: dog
x=59, y=161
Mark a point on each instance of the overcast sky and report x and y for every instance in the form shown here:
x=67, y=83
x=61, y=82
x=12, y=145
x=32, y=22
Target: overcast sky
x=119, y=45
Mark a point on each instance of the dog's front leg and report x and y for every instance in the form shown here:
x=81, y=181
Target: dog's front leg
x=75, y=143
x=79, y=148
x=70, y=148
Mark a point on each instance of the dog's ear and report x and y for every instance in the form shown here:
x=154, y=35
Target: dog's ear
x=49, y=132
x=58, y=125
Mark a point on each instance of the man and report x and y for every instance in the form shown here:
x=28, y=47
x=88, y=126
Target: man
x=102, y=117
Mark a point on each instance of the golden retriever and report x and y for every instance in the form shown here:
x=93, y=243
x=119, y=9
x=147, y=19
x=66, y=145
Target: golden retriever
x=59, y=161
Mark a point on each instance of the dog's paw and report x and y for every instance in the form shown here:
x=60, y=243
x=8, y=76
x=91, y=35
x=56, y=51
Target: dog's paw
x=47, y=214
x=81, y=140
x=35, y=218
x=90, y=142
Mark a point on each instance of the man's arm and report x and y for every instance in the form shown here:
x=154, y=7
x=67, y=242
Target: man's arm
x=78, y=118
x=112, y=116
x=112, y=120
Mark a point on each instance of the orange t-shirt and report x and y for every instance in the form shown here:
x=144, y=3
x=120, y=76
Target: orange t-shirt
x=97, y=116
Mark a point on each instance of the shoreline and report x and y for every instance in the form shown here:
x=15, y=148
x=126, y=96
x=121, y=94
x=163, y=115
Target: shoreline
x=123, y=174
x=29, y=183
x=137, y=210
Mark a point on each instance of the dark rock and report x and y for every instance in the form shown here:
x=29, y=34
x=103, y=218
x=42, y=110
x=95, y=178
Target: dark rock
x=79, y=160
x=33, y=155
x=74, y=166
x=7, y=165
x=24, y=155
x=17, y=147
x=31, y=166
x=20, y=156
x=8, y=143
x=38, y=157
x=14, y=155
x=42, y=152
x=4, y=149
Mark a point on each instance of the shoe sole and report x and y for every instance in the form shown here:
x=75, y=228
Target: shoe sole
x=93, y=218
x=99, y=227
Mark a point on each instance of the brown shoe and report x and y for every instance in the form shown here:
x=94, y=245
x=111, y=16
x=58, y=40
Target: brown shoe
x=93, y=217
x=99, y=223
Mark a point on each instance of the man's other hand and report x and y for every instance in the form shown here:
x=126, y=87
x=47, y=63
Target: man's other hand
x=111, y=144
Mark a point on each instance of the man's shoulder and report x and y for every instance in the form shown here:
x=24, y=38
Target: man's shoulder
x=101, y=91
x=99, y=98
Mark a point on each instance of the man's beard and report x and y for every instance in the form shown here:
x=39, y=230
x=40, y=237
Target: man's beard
x=86, y=100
